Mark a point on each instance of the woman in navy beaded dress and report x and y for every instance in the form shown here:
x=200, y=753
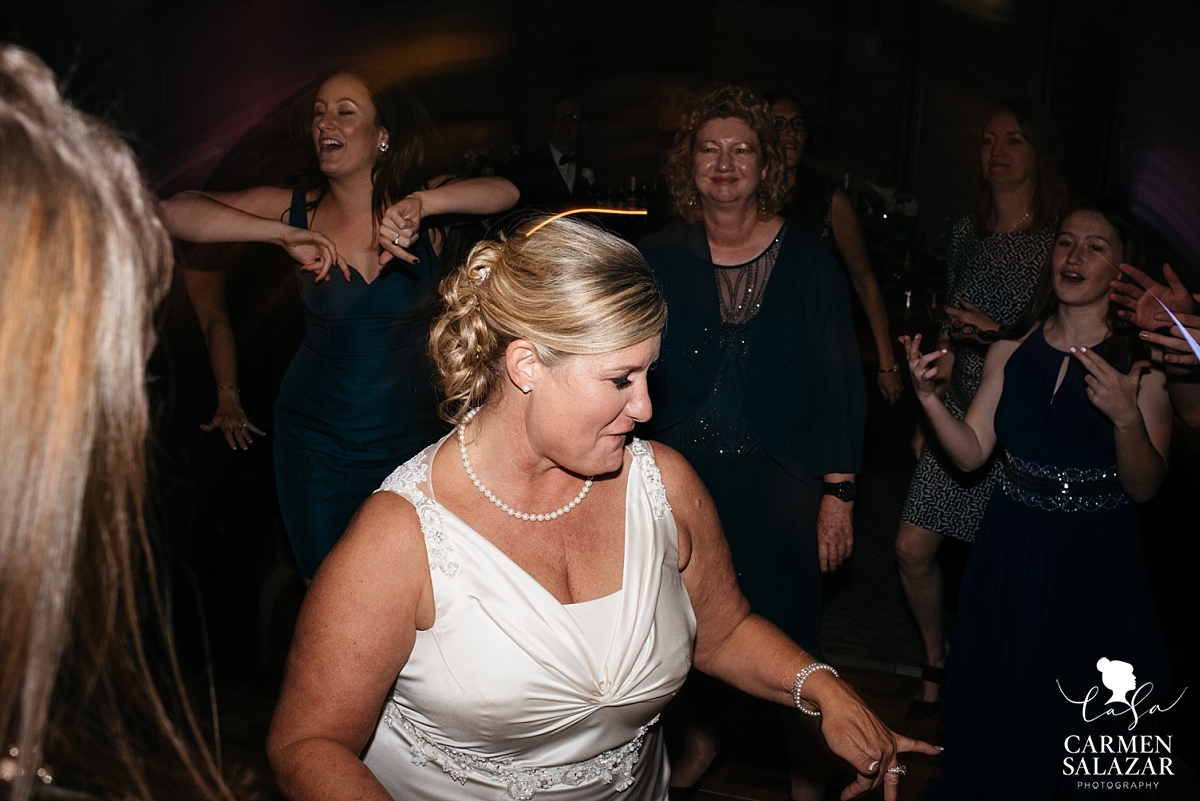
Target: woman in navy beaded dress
x=358, y=397
x=1055, y=583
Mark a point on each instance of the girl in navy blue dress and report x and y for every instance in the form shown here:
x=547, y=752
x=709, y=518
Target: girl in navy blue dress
x=1055, y=585
x=358, y=398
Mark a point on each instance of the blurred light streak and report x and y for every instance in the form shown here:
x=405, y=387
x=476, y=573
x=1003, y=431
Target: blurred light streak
x=569, y=212
x=1166, y=177
x=436, y=53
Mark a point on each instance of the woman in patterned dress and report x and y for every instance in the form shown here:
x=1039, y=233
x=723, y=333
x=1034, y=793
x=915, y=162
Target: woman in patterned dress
x=995, y=255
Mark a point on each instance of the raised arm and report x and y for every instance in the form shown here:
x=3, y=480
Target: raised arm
x=252, y=215
x=444, y=195
x=849, y=238
x=355, y=633
x=748, y=652
x=970, y=441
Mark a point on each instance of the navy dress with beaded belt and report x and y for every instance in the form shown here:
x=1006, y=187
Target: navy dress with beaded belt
x=1055, y=582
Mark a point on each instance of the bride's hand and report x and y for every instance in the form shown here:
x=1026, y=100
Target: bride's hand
x=855, y=734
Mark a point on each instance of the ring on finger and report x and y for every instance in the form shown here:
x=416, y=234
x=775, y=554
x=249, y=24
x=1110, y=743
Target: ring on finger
x=899, y=770
x=396, y=241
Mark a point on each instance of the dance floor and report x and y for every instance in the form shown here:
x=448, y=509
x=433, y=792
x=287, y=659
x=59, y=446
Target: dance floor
x=866, y=633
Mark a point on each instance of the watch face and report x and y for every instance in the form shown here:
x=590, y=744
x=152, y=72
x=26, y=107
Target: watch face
x=843, y=490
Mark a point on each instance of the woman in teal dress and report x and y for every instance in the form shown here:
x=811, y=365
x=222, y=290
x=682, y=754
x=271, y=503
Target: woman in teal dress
x=358, y=398
x=1055, y=587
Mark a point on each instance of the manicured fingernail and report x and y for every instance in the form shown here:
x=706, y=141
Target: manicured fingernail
x=943, y=350
x=1084, y=350
x=1072, y=350
x=1144, y=334
x=872, y=766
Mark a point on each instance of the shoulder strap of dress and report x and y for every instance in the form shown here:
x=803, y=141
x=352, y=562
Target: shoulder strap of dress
x=298, y=215
x=652, y=478
x=410, y=481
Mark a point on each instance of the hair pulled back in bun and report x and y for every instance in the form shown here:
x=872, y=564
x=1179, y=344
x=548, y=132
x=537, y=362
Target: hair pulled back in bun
x=570, y=288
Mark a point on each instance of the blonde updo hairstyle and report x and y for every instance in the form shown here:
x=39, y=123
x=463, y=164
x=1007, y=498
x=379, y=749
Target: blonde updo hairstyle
x=568, y=287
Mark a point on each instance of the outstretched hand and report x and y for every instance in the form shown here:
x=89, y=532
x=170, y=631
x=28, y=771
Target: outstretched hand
x=855, y=734
x=1112, y=392
x=1135, y=292
x=1176, y=349
x=399, y=229
x=315, y=252
x=922, y=367
x=231, y=421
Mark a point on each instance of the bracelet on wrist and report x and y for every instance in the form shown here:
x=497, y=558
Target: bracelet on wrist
x=895, y=368
x=798, y=686
x=225, y=387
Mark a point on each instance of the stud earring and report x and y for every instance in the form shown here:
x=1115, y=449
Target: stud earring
x=383, y=147
x=526, y=389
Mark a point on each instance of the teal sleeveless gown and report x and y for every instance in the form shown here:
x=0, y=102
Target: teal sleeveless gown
x=358, y=398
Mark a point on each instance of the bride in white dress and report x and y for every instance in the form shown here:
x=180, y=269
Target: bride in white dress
x=508, y=615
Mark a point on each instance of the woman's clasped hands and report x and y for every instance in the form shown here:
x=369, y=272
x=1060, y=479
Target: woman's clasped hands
x=969, y=322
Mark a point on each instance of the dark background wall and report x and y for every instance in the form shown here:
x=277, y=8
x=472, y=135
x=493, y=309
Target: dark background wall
x=897, y=88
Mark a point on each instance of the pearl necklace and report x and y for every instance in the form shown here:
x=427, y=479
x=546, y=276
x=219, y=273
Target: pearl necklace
x=538, y=518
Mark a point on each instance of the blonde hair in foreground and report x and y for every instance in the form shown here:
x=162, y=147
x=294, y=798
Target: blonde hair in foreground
x=83, y=262
x=570, y=288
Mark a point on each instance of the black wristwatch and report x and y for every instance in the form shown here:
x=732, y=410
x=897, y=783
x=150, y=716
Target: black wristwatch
x=842, y=490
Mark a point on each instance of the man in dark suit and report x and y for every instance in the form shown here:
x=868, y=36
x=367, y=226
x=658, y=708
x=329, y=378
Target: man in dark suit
x=551, y=177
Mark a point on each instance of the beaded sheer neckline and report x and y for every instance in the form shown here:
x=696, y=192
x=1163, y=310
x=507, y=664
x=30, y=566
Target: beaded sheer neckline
x=741, y=287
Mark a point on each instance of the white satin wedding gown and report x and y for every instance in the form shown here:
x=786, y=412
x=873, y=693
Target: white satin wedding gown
x=512, y=694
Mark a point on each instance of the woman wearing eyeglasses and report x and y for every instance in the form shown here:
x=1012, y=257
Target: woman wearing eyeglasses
x=994, y=260
x=826, y=211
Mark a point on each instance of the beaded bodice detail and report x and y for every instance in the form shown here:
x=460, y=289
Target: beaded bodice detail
x=720, y=427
